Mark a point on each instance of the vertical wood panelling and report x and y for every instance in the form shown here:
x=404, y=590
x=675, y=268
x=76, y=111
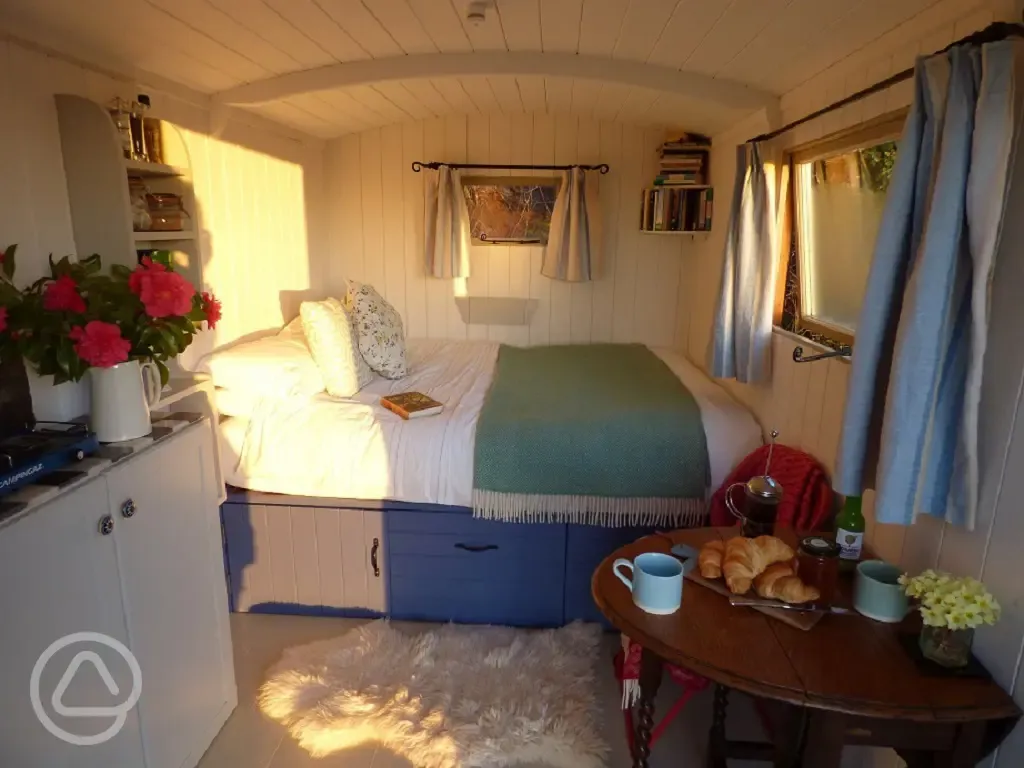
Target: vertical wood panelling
x=375, y=206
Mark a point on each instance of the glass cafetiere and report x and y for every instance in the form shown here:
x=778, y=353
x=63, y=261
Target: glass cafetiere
x=759, y=504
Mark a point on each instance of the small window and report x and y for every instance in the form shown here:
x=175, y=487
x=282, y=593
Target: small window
x=510, y=210
x=839, y=191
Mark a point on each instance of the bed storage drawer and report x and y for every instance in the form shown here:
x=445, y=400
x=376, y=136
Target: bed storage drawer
x=452, y=567
x=586, y=547
x=325, y=561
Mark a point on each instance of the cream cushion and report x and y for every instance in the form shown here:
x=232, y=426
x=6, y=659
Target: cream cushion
x=381, y=336
x=277, y=365
x=332, y=339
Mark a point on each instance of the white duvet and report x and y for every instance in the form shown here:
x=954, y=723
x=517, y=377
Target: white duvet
x=353, y=448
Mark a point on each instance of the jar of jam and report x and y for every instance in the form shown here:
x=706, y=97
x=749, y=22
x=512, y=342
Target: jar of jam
x=817, y=564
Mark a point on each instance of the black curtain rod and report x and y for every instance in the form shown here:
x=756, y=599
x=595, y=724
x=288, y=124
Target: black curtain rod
x=1000, y=30
x=417, y=166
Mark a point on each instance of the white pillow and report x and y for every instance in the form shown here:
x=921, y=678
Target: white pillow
x=335, y=346
x=381, y=336
x=272, y=366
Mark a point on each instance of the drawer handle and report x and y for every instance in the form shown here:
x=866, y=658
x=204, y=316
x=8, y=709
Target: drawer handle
x=106, y=525
x=373, y=557
x=476, y=547
x=128, y=509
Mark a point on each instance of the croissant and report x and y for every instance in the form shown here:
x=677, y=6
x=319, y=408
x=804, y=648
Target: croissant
x=710, y=560
x=747, y=558
x=780, y=582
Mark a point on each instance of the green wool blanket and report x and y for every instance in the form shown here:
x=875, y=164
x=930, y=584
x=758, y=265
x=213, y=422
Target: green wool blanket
x=601, y=434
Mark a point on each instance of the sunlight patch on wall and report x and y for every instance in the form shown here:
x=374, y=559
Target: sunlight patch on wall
x=251, y=210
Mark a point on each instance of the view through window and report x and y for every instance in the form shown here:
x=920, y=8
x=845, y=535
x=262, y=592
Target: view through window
x=839, y=194
x=510, y=211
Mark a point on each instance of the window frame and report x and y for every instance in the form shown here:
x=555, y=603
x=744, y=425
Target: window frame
x=884, y=128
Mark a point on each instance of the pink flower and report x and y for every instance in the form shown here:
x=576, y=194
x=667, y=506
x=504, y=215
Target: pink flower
x=138, y=276
x=3, y=319
x=211, y=308
x=100, y=344
x=62, y=295
x=165, y=294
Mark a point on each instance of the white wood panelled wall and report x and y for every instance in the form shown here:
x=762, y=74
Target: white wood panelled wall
x=257, y=190
x=375, y=205
x=805, y=401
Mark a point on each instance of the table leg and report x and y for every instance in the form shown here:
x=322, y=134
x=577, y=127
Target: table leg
x=825, y=734
x=650, y=681
x=967, y=749
x=788, y=737
x=716, y=735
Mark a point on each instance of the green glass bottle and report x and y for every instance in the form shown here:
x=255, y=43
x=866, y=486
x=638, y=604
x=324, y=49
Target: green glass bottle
x=850, y=527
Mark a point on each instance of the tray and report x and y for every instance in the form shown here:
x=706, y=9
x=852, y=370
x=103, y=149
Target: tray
x=804, y=620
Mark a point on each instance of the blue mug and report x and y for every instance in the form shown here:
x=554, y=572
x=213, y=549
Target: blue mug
x=657, y=583
x=877, y=593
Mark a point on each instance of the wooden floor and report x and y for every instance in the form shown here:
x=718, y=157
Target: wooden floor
x=249, y=740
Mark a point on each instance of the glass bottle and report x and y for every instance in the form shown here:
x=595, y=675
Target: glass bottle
x=119, y=114
x=139, y=108
x=850, y=527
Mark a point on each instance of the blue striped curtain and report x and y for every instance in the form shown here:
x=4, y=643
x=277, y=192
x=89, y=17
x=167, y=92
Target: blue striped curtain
x=915, y=386
x=741, y=342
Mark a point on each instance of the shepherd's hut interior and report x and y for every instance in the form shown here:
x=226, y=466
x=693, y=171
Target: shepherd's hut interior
x=482, y=383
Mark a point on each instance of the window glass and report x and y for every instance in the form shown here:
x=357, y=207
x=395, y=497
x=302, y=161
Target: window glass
x=512, y=210
x=839, y=202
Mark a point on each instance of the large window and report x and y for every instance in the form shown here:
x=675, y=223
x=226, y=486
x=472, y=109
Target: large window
x=839, y=190
x=508, y=210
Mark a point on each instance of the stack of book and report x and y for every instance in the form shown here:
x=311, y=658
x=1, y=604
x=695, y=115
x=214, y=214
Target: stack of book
x=676, y=210
x=684, y=162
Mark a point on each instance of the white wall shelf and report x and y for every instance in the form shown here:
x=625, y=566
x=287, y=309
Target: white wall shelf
x=153, y=170
x=162, y=237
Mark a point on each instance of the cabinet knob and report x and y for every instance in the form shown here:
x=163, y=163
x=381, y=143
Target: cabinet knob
x=128, y=508
x=106, y=525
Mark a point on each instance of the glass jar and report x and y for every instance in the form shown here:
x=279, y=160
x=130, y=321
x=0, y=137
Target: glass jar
x=817, y=565
x=948, y=647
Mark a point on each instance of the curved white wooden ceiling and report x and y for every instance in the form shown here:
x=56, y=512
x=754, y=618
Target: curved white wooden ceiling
x=330, y=67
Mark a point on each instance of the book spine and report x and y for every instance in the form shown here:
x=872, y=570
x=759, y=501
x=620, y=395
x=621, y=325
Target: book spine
x=395, y=409
x=711, y=205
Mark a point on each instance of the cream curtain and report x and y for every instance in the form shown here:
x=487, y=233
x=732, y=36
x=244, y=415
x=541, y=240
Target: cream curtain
x=573, y=250
x=741, y=344
x=446, y=224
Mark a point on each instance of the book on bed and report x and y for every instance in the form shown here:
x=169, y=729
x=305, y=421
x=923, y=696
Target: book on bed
x=411, y=405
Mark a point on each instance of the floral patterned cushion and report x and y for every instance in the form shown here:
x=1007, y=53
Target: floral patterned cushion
x=332, y=338
x=381, y=336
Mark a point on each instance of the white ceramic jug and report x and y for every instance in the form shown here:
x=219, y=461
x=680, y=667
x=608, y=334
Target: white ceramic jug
x=121, y=399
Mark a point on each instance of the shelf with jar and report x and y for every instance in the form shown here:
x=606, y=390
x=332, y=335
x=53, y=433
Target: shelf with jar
x=129, y=182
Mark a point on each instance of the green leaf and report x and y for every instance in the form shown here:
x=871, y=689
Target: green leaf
x=8, y=265
x=165, y=375
x=66, y=356
x=120, y=271
x=91, y=264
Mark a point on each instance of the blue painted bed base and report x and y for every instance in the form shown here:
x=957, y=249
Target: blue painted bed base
x=443, y=564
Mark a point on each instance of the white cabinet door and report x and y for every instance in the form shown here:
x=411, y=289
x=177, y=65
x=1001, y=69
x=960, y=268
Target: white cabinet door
x=168, y=549
x=58, y=576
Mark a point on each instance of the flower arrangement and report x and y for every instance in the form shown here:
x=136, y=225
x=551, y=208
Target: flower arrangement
x=77, y=317
x=951, y=602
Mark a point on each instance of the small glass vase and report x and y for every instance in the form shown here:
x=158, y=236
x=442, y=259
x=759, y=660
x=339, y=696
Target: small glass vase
x=948, y=647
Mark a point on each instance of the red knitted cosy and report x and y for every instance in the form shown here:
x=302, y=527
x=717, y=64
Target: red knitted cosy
x=806, y=492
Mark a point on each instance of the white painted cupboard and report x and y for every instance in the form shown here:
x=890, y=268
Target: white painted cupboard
x=134, y=554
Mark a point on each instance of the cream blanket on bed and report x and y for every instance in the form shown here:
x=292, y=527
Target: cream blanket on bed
x=354, y=449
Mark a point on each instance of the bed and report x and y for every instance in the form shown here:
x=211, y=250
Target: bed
x=340, y=507
x=356, y=449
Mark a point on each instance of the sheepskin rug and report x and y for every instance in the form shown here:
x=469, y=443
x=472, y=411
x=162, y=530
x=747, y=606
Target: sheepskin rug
x=452, y=697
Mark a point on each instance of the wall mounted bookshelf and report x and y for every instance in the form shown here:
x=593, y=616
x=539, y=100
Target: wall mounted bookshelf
x=680, y=201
